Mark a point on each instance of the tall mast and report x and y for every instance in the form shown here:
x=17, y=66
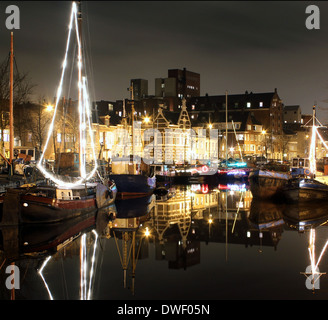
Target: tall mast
x=11, y=101
x=226, y=142
x=80, y=60
x=312, y=157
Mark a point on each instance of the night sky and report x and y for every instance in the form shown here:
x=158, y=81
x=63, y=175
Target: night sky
x=235, y=46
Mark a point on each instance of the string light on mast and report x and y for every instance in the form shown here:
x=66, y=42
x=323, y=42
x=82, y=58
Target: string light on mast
x=83, y=107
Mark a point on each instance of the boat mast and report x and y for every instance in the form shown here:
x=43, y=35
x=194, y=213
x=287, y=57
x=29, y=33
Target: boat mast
x=226, y=142
x=313, y=144
x=11, y=104
x=132, y=121
x=80, y=97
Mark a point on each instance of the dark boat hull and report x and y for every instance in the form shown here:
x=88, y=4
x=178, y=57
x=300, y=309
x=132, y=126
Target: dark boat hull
x=267, y=184
x=133, y=185
x=305, y=190
x=29, y=207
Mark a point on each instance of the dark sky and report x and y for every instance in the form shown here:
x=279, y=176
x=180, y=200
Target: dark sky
x=235, y=46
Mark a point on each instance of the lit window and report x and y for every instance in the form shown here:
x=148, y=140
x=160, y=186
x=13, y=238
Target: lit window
x=58, y=137
x=248, y=104
x=261, y=104
x=120, y=113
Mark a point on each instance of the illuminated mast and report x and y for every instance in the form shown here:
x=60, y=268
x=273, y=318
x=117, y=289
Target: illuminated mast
x=313, y=145
x=83, y=107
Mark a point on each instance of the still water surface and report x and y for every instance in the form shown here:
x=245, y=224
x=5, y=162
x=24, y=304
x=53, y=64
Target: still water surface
x=195, y=244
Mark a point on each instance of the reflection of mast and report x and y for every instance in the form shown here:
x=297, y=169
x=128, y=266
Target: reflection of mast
x=312, y=272
x=128, y=250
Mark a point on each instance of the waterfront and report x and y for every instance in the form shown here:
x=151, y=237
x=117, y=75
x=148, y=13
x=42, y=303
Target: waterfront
x=194, y=245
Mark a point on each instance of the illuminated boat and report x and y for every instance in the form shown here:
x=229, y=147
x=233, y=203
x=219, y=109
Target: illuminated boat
x=305, y=186
x=66, y=197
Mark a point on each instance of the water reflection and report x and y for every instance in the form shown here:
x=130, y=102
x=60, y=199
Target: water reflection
x=176, y=225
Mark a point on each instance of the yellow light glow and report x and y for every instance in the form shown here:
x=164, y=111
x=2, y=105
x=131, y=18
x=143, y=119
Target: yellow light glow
x=146, y=119
x=147, y=232
x=49, y=108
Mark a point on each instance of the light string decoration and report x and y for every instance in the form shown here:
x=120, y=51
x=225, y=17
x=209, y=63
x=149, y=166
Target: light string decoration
x=84, y=113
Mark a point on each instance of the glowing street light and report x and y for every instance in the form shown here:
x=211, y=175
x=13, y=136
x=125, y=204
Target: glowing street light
x=146, y=120
x=49, y=108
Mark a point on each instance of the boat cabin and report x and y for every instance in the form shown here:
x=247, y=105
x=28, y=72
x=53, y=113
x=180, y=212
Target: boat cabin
x=300, y=167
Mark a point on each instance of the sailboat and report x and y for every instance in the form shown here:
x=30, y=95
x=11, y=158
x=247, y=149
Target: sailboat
x=307, y=187
x=66, y=197
x=132, y=176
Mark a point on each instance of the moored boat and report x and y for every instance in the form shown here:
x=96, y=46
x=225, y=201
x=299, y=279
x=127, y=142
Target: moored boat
x=267, y=184
x=305, y=189
x=304, y=186
x=65, y=197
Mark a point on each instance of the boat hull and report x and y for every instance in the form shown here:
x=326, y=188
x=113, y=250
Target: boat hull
x=39, y=207
x=305, y=190
x=267, y=184
x=133, y=185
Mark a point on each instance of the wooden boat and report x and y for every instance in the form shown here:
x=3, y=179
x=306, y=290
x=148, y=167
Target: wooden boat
x=267, y=184
x=305, y=189
x=52, y=203
x=304, y=186
x=65, y=198
x=132, y=180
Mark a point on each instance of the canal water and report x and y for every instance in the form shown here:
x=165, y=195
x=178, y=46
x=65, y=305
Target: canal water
x=195, y=243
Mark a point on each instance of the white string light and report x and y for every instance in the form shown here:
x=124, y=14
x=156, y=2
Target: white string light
x=84, y=112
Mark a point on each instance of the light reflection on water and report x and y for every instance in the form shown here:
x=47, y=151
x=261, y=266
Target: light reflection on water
x=196, y=242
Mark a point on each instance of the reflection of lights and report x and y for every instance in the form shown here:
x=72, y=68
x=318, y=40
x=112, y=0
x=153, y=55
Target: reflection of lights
x=84, y=293
x=236, y=172
x=232, y=187
x=204, y=188
x=43, y=279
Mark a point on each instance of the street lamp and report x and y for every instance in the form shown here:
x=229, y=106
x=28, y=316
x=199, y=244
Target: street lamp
x=49, y=108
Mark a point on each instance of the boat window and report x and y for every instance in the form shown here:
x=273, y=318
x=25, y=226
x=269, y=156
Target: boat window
x=295, y=162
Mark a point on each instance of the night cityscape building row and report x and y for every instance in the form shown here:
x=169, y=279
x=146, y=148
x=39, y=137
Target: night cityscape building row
x=258, y=124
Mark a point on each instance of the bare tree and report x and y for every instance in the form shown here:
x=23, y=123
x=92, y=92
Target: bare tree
x=22, y=87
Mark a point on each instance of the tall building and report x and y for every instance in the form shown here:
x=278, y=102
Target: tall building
x=187, y=82
x=140, y=88
x=178, y=85
x=292, y=114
